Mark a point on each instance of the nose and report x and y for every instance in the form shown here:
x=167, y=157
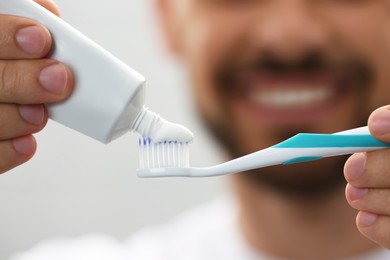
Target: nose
x=289, y=29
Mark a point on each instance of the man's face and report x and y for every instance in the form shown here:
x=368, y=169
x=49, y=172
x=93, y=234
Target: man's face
x=264, y=70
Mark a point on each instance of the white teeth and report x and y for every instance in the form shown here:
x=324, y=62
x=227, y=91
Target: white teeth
x=288, y=97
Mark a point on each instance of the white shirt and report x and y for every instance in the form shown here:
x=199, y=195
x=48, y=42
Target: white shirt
x=209, y=232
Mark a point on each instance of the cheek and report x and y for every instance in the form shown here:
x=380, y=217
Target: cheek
x=206, y=46
x=375, y=44
x=381, y=91
x=368, y=35
x=200, y=65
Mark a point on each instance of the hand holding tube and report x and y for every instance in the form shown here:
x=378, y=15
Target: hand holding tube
x=27, y=81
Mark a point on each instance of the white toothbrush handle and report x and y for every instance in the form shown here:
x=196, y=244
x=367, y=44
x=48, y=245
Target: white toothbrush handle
x=277, y=156
x=108, y=94
x=302, y=148
x=360, y=130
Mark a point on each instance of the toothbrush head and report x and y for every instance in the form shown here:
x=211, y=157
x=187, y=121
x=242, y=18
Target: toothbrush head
x=163, y=144
x=161, y=155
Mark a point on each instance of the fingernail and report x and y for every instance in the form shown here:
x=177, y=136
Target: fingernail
x=356, y=165
x=31, y=39
x=33, y=114
x=380, y=122
x=366, y=219
x=54, y=78
x=355, y=193
x=24, y=145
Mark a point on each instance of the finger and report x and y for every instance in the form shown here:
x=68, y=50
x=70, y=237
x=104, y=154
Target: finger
x=49, y=5
x=22, y=38
x=16, y=152
x=379, y=123
x=369, y=170
x=374, y=227
x=21, y=120
x=34, y=81
x=372, y=200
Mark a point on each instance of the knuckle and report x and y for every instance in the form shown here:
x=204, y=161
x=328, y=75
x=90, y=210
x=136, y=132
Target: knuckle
x=377, y=169
x=3, y=121
x=12, y=123
x=8, y=78
x=386, y=160
x=387, y=205
x=382, y=178
x=5, y=38
x=8, y=27
x=381, y=232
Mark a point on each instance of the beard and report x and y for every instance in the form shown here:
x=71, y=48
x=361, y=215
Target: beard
x=308, y=180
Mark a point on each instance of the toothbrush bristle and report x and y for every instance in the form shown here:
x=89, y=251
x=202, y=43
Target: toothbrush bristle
x=167, y=154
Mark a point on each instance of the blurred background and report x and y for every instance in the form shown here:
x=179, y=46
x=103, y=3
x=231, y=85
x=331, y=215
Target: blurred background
x=76, y=185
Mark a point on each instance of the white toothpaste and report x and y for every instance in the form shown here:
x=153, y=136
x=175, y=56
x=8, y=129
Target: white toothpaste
x=151, y=125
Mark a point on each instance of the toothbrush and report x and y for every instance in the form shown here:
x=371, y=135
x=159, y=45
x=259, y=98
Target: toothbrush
x=302, y=147
x=108, y=101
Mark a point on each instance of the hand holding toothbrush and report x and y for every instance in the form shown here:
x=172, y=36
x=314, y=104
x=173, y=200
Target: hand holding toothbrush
x=368, y=188
x=27, y=81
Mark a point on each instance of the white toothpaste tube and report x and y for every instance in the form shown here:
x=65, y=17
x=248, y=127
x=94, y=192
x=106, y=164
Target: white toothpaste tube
x=108, y=98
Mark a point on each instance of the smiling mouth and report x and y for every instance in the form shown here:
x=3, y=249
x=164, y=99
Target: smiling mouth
x=289, y=98
x=284, y=97
x=303, y=90
x=287, y=92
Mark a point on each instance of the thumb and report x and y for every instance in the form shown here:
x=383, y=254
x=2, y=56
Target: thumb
x=379, y=123
x=49, y=5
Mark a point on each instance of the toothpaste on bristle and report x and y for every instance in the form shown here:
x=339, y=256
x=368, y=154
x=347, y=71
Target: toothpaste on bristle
x=151, y=125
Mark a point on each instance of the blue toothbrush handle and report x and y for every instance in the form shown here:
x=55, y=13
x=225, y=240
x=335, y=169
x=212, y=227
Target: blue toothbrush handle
x=331, y=140
x=347, y=142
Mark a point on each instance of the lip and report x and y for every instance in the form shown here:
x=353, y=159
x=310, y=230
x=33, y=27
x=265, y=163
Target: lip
x=288, y=98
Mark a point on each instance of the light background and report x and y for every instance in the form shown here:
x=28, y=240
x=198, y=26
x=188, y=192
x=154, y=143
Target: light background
x=75, y=185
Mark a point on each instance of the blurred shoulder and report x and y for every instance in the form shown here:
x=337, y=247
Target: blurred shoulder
x=199, y=233
x=193, y=234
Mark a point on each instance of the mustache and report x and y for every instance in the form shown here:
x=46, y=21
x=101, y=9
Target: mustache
x=349, y=69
